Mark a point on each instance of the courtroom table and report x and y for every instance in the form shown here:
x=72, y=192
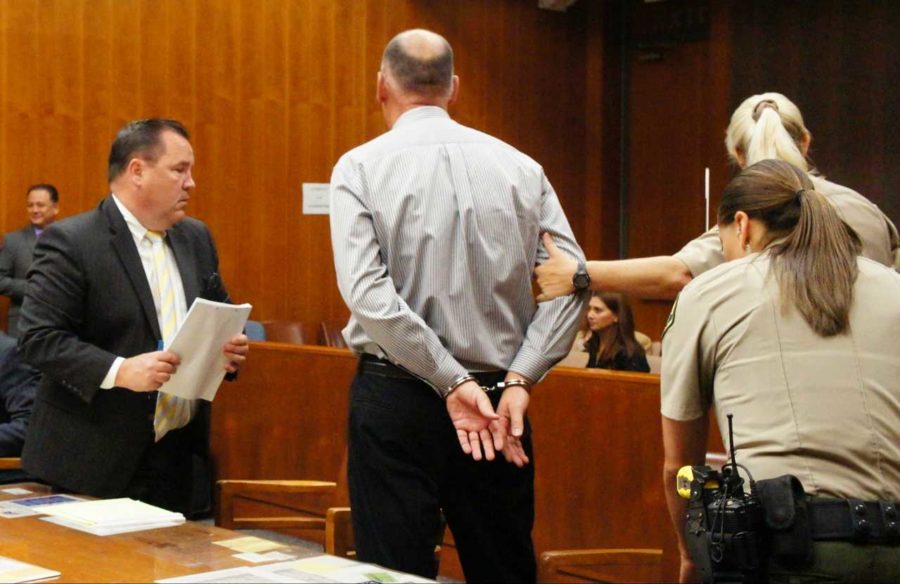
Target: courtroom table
x=141, y=556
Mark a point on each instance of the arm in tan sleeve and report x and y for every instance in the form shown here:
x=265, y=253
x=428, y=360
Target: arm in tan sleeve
x=656, y=277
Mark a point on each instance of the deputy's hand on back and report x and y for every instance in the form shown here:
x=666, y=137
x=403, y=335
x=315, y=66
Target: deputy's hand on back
x=472, y=414
x=147, y=371
x=555, y=275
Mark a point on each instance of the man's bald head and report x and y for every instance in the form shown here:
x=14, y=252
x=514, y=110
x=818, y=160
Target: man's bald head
x=419, y=62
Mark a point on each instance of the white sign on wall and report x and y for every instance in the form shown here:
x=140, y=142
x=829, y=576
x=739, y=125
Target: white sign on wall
x=315, y=198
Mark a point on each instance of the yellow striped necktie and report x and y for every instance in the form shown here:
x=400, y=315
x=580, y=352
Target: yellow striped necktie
x=172, y=412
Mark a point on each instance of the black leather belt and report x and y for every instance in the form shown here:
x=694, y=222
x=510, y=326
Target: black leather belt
x=853, y=520
x=372, y=365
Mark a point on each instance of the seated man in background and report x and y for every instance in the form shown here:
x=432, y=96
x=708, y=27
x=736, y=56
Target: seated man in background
x=17, y=386
x=42, y=202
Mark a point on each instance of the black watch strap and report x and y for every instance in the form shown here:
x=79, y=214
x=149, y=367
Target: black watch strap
x=581, y=280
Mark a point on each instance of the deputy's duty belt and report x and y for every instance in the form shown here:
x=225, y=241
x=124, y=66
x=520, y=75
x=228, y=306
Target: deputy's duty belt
x=853, y=520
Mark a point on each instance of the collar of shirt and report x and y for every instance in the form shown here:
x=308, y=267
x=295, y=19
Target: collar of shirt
x=144, y=250
x=421, y=112
x=138, y=231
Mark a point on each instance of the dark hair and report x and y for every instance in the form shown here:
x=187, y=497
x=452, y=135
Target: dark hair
x=617, y=337
x=140, y=138
x=54, y=194
x=815, y=265
x=426, y=76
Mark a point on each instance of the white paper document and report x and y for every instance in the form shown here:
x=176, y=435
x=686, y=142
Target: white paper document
x=306, y=570
x=255, y=558
x=16, y=491
x=199, y=341
x=111, y=516
x=15, y=571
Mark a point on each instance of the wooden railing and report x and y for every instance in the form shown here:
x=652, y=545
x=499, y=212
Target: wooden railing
x=597, y=443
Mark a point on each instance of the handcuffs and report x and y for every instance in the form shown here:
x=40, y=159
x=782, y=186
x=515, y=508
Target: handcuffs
x=500, y=386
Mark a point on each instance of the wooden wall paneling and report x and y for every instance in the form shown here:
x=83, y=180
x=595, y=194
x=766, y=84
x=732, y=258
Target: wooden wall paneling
x=57, y=108
x=603, y=131
x=676, y=122
x=259, y=199
x=99, y=87
x=273, y=93
x=836, y=59
x=178, y=75
x=154, y=44
x=126, y=93
x=21, y=94
x=320, y=42
x=353, y=91
x=219, y=199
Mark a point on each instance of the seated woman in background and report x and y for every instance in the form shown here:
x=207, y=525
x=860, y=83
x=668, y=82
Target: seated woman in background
x=796, y=337
x=609, y=337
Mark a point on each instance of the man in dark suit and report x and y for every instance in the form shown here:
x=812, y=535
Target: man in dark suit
x=105, y=289
x=42, y=202
x=17, y=386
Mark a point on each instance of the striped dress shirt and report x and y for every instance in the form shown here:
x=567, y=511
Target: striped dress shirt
x=436, y=229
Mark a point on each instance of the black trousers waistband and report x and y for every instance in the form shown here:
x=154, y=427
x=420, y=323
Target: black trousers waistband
x=854, y=520
x=372, y=365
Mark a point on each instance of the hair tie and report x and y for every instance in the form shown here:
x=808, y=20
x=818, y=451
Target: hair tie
x=798, y=193
x=766, y=103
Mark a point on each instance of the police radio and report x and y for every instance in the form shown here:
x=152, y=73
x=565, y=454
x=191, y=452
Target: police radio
x=724, y=524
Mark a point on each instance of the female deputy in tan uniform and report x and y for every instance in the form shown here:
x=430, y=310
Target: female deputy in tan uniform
x=766, y=126
x=797, y=339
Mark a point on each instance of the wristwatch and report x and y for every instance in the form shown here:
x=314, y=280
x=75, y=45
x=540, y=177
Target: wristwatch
x=581, y=280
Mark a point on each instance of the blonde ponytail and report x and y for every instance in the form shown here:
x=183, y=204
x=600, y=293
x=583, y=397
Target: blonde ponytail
x=769, y=139
x=767, y=126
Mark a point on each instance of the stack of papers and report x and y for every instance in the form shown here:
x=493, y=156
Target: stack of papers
x=111, y=516
x=16, y=571
x=198, y=341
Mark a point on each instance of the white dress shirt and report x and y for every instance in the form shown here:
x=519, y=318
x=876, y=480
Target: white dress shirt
x=145, y=250
x=436, y=230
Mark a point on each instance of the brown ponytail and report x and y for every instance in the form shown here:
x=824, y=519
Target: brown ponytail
x=815, y=264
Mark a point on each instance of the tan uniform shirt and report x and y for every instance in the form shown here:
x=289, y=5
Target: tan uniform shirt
x=824, y=409
x=880, y=241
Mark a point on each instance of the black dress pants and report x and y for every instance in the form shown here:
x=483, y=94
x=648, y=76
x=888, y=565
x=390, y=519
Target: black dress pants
x=406, y=465
x=172, y=476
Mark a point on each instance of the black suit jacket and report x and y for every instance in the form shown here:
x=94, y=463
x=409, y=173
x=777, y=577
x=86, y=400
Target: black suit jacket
x=89, y=301
x=15, y=258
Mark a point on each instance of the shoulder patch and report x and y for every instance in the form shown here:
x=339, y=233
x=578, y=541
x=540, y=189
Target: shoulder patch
x=671, y=320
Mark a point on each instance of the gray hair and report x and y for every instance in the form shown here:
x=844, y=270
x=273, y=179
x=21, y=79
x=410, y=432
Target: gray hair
x=413, y=63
